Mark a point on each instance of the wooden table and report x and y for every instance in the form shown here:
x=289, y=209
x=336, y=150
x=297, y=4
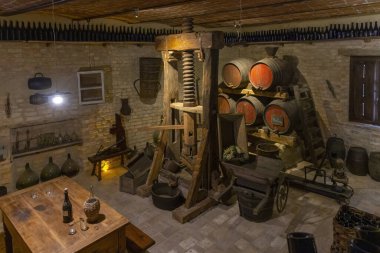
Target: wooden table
x=35, y=224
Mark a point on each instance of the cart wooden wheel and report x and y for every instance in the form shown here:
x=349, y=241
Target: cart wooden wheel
x=282, y=195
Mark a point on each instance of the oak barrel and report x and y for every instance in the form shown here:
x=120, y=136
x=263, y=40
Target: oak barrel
x=374, y=165
x=235, y=73
x=270, y=72
x=226, y=104
x=357, y=161
x=281, y=116
x=252, y=108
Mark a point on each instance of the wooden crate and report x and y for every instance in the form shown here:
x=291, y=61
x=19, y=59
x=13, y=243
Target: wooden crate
x=136, y=176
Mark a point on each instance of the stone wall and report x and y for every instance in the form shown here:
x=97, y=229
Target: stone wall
x=19, y=61
x=316, y=63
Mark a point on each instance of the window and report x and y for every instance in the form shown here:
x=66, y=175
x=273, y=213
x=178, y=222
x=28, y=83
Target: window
x=364, y=89
x=91, y=87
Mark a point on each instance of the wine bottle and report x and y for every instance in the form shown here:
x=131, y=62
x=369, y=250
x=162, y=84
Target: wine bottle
x=375, y=30
x=67, y=208
x=370, y=29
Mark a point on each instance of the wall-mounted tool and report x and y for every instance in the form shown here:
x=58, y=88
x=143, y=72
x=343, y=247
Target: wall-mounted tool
x=7, y=106
x=331, y=88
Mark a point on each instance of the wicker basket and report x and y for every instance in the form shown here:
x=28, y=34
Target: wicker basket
x=342, y=235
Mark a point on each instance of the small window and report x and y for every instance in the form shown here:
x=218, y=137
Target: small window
x=364, y=90
x=91, y=87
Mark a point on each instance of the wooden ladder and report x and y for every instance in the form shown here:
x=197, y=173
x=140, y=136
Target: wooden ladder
x=311, y=131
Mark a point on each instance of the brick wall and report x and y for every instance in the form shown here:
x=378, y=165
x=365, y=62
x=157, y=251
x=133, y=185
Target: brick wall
x=19, y=61
x=318, y=62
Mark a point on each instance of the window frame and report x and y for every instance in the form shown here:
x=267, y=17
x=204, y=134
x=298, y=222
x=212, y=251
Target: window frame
x=369, y=103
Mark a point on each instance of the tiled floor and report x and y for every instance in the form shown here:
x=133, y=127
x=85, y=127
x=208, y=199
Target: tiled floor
x=221, y=229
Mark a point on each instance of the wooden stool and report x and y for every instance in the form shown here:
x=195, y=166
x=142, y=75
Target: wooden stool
x=137, y=241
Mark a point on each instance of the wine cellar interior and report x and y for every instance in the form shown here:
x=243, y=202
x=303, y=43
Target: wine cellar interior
x=189, y=126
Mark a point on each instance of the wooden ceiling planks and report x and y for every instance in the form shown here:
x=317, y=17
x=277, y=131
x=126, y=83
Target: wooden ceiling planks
x=207, y=13
x=9, y=8
x=198, y=9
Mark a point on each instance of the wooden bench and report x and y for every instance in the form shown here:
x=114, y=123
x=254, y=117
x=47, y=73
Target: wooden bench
x=96, y=161
x=137, y=241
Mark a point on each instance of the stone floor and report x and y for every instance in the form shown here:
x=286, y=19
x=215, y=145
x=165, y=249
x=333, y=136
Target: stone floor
x=221, y=229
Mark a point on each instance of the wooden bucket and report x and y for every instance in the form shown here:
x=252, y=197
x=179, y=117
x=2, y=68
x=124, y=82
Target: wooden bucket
x=252, y=108
x=281, y=116
x=235, y=73
x=226, y=104
x=270, y=72
x=374, y=165
x=357, y=161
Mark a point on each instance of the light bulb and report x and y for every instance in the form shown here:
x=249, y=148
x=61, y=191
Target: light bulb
x=57, y=99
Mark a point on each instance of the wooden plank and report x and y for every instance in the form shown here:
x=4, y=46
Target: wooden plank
x=269, y=136
x=190, y=41
x=183, y=214
x=179, y=106
x=358, y=52
x=261, y=93
x=137, y=240
x=192, y=195
x=167, y=127
x=157, y=159
x=21, y=212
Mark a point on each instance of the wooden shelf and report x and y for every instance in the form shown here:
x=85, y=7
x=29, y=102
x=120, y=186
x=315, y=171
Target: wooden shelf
x=40, y=150
x=282, y=139
x=48, y=42
x=179, y=106
x=272, y=94
x=282, y=43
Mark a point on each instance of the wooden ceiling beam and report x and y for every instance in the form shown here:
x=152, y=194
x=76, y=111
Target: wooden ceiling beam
x=29, y=8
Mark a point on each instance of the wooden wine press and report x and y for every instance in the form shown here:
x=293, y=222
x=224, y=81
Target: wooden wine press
x=199, y=152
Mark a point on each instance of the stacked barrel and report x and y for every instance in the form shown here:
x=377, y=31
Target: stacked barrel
x=265, y=75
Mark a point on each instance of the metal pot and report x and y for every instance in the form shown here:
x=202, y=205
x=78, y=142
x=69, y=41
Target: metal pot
x=166, y=197
x=39, y=82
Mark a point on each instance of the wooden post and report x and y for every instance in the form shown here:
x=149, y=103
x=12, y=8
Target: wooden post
x=210, y=110
x=192, y=195
x=170, y=93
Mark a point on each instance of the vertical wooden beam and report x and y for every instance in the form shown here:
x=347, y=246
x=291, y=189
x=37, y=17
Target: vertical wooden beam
x=190, y=134
x=210, y=110
x=170, y=92
x=192, y=195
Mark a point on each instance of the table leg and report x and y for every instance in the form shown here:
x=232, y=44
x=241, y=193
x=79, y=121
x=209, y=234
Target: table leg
x=8, y=240
x=93, y=169
x=100, y=170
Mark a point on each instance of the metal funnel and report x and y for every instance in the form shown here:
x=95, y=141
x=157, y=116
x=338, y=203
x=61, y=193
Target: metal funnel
x=271, y=51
